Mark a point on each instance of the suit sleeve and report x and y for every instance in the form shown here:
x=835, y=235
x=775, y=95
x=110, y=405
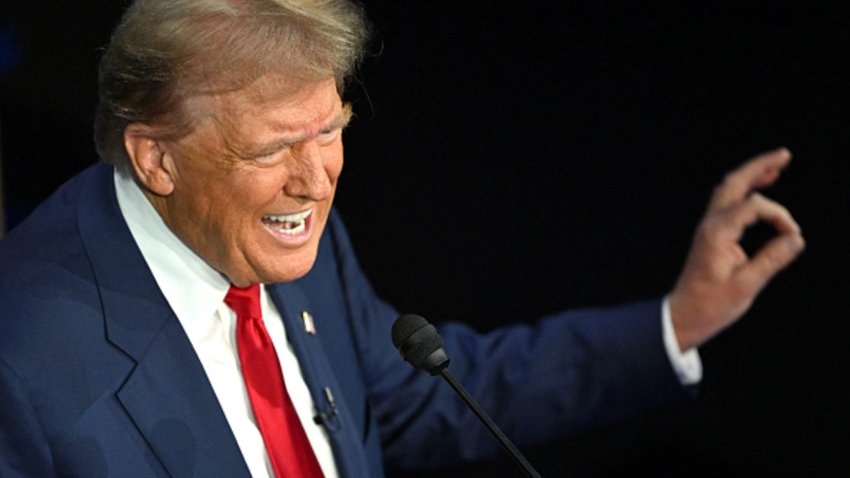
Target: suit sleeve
x=541, y=382
x=23, y=447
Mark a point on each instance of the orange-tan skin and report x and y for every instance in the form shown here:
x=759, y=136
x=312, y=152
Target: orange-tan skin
x=272, y=148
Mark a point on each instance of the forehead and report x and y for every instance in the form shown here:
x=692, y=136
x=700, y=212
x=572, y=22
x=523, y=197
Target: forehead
x=279, y=103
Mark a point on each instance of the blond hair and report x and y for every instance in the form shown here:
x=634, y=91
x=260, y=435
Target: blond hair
x=165, y=52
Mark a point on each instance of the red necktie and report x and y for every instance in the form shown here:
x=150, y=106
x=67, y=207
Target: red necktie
x=286, y=443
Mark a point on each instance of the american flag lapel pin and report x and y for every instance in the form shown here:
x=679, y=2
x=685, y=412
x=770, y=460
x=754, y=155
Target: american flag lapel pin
x=309, y=325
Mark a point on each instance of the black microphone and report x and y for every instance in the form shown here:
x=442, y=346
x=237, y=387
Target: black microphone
x=420, y=345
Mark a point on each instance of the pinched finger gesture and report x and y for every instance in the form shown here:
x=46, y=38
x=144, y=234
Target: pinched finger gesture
x=720, y=281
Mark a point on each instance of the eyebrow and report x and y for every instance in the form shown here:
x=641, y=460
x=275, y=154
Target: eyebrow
x=340, y=121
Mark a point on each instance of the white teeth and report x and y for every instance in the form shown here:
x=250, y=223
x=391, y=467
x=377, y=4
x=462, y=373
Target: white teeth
x=297, y=217
x=291, y=224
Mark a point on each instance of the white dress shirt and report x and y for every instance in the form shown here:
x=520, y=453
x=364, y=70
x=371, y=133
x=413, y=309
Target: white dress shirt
x=195, y=291
x=688, y=366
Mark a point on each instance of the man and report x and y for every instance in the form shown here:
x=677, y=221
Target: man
x=124, y=349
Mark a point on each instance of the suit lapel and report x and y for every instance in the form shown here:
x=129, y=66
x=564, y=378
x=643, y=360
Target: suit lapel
x=167, y=395
x=345, y=438
x=170, y=401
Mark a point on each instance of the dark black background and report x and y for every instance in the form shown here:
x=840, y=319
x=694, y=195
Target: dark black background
x=510, y=159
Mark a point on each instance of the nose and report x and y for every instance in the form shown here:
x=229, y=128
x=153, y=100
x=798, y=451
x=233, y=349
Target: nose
x=310, y=178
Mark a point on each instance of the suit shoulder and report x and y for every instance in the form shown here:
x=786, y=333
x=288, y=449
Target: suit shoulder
x=49, y=229
x=44, y=269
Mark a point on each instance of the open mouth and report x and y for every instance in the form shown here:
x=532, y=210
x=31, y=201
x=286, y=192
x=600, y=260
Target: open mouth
x=288, y=224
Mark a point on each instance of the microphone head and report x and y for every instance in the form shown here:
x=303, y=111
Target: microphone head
x=419, y=343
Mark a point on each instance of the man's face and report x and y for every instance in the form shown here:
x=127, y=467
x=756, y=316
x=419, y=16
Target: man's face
x=254, y=183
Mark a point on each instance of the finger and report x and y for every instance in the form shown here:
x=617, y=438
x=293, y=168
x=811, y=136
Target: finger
x=770, y=259
x=757, y=208
x=756, y=173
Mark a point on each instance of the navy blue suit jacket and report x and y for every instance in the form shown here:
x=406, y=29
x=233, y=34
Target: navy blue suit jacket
x=97, y=377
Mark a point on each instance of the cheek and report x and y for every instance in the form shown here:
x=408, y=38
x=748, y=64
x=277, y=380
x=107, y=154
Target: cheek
x=251, y=188
x=225, y=204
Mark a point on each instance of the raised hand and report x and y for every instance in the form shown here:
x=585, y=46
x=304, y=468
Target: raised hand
x=719, y=281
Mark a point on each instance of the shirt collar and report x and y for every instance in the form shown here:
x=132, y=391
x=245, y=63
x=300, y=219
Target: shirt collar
x=193, y=289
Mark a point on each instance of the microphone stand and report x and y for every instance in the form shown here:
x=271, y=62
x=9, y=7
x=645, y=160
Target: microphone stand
x=518, y=458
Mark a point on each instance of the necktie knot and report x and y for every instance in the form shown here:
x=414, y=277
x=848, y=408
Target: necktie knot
x=245, y=301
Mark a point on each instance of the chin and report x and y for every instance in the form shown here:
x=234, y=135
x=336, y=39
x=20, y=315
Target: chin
x=295, y=268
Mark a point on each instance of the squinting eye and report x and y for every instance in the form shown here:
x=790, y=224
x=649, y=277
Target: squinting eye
x=326, y=137
x=270, y=159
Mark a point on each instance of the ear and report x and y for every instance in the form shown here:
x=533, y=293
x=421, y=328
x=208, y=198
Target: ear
x=151, y=163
